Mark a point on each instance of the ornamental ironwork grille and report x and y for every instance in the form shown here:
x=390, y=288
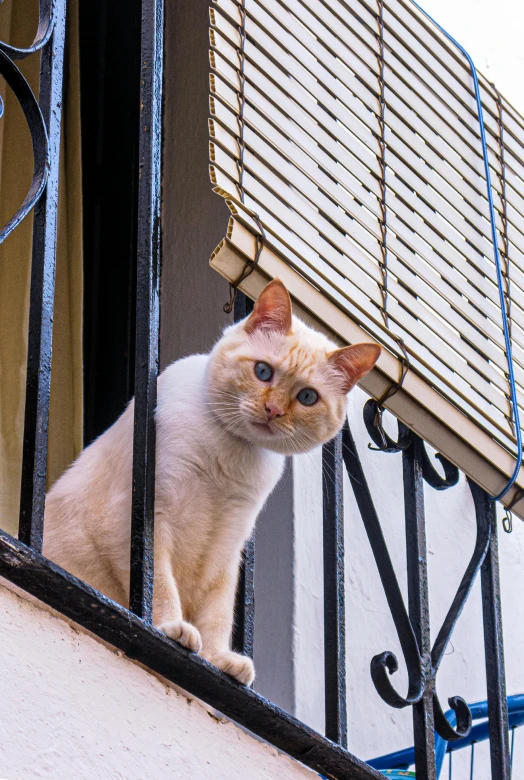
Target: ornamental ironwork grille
x=348, y=134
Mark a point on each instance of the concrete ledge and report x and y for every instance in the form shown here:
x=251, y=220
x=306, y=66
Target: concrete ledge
x=71, y=707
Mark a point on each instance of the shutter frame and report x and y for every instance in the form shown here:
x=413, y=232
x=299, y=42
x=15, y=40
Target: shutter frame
x=307, y=133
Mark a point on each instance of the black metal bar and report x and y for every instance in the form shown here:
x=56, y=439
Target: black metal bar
x=418, y=601
x=242, y=306
x=151, y=647
x=147, y=310
x=494, y=650
x=39, y=348
x=244, y=627
x=385, y=664
x=334, y=604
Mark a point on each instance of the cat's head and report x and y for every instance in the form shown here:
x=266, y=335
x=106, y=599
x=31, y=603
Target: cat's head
x=280, y=384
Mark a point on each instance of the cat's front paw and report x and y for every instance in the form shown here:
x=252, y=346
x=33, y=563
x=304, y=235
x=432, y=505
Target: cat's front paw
x=183, y=633
x=238, y=666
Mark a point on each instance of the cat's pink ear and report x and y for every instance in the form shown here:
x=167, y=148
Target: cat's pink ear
x=352, y=363
x=272, y=311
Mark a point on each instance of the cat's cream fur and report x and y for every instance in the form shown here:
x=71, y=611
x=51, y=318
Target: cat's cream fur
x=222, y=434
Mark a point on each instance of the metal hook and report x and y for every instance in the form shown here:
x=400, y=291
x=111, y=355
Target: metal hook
x=228, y=307
x=373, y=413
x=507, y=521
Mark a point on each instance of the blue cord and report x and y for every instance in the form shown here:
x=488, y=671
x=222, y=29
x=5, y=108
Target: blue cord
x=500, y=282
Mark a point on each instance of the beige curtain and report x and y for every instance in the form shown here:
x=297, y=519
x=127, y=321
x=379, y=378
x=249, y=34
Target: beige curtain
x=18, y=23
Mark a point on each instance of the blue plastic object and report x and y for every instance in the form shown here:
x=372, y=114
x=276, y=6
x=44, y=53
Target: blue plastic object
x=403, y=759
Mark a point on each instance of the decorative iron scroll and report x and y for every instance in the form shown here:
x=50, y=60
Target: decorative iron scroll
x=31, y=110
x=43, y=120
x=46, y=23
x=422, y=667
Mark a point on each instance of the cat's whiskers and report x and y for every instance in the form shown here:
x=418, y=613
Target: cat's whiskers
x=330, y=470
x=220, y=408
x=228, y=428
x=218, y=416
x=222, y=394
x=213, y=437
x=302, y=440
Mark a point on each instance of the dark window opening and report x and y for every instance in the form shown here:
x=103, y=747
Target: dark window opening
x=110, y=88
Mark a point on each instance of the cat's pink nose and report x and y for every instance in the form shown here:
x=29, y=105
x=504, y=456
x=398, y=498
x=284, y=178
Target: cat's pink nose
x=272, y=410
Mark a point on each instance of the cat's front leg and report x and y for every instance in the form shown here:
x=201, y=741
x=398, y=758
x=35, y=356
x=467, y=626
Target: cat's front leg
x=167, y=609
x=214, y=620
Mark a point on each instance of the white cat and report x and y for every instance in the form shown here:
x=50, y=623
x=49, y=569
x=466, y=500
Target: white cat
x=271, y=387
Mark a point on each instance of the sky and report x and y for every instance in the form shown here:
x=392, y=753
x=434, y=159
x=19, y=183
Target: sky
x=492, y=31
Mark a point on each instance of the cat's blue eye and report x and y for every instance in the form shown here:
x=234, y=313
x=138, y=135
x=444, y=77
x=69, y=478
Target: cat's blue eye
x=263, y=371
x=307, y=396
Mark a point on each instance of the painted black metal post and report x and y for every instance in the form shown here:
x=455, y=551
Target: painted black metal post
x=385, y=664
x=418, y=604
x=494, y=652
x=147, y=310
x=244, y=628
x=39, y=349
x=334, y=604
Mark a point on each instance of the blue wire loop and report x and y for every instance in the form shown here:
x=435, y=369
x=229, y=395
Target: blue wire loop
x=500, y=281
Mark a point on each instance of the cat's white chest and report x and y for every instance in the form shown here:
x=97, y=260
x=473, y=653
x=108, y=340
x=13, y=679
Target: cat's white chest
x=211, y=484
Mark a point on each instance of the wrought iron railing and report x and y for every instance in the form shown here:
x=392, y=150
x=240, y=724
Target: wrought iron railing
x=422, y=658
x=131, y=629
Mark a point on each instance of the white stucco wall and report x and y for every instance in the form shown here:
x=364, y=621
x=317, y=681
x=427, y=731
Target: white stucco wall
x=72, y=708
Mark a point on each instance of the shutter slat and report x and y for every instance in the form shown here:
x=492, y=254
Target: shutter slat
x=434, y=295
x=484, y=314
x=454, y=241
x=455, y=67
x=296, y=219
x=427, y=111
x=426, y=78
x=305, y=168
x=403, y=64
x=417, y=83
x=231, y=145
x=313, y=267
x=296, y=233
x=429, y=138
x=354, y=151
x=228, y=165
x=296, y=200
x=260, y=107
